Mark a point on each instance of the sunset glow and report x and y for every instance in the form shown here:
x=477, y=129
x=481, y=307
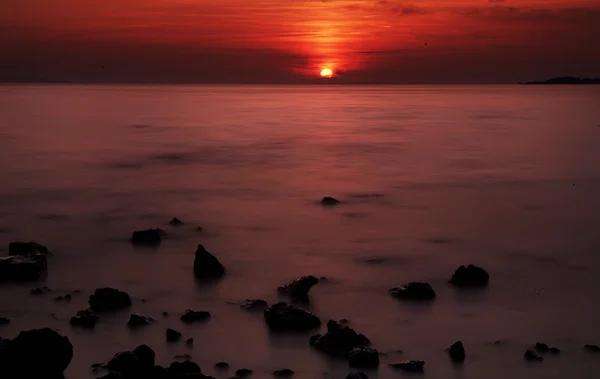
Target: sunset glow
x=326, y=73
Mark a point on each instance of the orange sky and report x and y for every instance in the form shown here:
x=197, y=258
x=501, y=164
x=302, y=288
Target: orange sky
x=292, y=40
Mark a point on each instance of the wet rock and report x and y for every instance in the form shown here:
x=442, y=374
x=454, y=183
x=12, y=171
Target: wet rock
x=189, y=342
x=20, y=268
x=409, y=366
x=85, y=319
x=173, y=335
x=243, y=373
x=222, y=365
x=344, y=321
x=176, y=222
x=554, y=350
x=125, y=363
x=206, y=265
x=254, y=305
x=137, y=320
x=150, y=237
x=457, y=351
x=357, y=375
x=544, y=348
x=531, y=355
x=363, y=357
x=199, y=229
x=177, y=369
x=413, y=291
x=285, y=317
x=190, y=316
x=4, y=321
x=39, y=353
x=298, y=289
x=329, y=201
x=27, y=248
x=592, y=348
x=283, y=373
x=165, y=314
x=145, y=356
x=339, y=339
x=470, y=276
x=40, y=290
x=109, y=299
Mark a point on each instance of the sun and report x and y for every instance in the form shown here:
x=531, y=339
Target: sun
x=326, y=73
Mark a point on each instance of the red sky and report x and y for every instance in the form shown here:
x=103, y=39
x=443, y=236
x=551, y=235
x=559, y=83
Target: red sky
x=278, y=41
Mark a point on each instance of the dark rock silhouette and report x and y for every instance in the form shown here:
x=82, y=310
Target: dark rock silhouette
x=298, y=289
x=544, y=348
x=243, y=373
x=109, y=299
x=27, y=248
x=149, y=237
x=190, y=316
x=283, y=373
x=173, y=335
x=66, y=297
x=20, y=268
x=184, y=369
x=40, y=290
x=363, y=357
x=409, y=366
x=329, y=201
x=4, y=321
x=413, y=291
x=339, y=339
x=592, y=348
x=457, y=351
x=85, y=319
x=222, y=365
x=176, y=222
x=41, y=353
x=254, y=305
x=125, y=363
x=567, y=80
x=206, y=265
x=137, y=320
x=531, y=355
x=357, y=375
x=189, y=342
x=199, y=229
x=282, y=317
x=470, y=276
x=145, y=355
x=165, y=314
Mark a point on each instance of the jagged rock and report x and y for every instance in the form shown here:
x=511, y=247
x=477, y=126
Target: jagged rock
x=145, y=356
x=329, y=201
x=363, y=357
x=27, y=248
x=592, y=348
x=413, y=291
x=531, y=355
x=222, y=365
x=457, y=351
x=357, y=375
x=254, y=305
x=298, y=289
x=544, y=348
x=189, y=342
x=40, y=353
x=109, y=299
x=243, y=373
x=281, y=316
x=173, y=335
x=206, y=265
x=20, y=268
x=150, y=237
x=4, y=321
x=190, y=316
x=183, y=368
x=125, y=363
x=136, y=320
x=339, y=339
x=176, y=222
x=40, y=290
x=283, y=373
x=85, y=319
x=409, y=366
x=470, y=276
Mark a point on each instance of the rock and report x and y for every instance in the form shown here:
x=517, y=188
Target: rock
x=544, y=348
x=283, y=373
x=206, y=265
x=182, y=357
x=190, y=316
x=222, y=365
x=21, y=268
x=357, y=375
x=531, y=355
x=409, y=366
x=125, y=363
x=243, y=373
x=284, y=317
x=109, y=299
x=145, y=356
x=298, y=289
x=363, y=357
x=414, y=291
x=329, y=201
x=344, y=321
x=339, y=339
x=254, y=305
x=470, y=276
x=27, y=248
x=165, y=314
x=150, y=237
x=189, y=342
x=183, y=368
x=457, y=351
x=199, y=229
x=137, y=320
x=112, y=375
x=40, y=290
x=68, y=297
x=40, y=353
x=176, y=222
x=4, y=321
x=555, y=350
x=173, y=335
x=85, y=319
x=592, y=348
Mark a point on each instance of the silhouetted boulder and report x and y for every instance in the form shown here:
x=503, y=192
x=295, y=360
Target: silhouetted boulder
x=329, y=201
x=173, y=335
x=531, y=355
x=409, y=366
x=177, y=369
x=470, y=276
x=41, y=353
x=21, y=268
x=254, y=305
x=40, y=290
x=150, y=237
x=457, y=351
x=190, y=316
x=85, y=319
x=357, y=375
x=282, y=317
x=543, y=348
x=592, y=348
x=222, y=365
x=4, y=321
x=298, y=289
x=283, y=373
x=243, y=373
x=206, y=265
x=176, y=222
x=363, y=357
x=413, y=291
x=109, y=299
x=339, y=339
x=137, y=320
x=189, y=342
x=145, y=356
x=27, y=248
x=125, y=363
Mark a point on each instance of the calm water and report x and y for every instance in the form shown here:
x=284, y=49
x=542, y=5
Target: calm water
x=507, y=177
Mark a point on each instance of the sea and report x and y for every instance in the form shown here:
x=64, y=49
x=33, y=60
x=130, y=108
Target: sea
x=429, y=178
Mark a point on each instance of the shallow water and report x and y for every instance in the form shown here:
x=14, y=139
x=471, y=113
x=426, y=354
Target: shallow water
x=506, y=177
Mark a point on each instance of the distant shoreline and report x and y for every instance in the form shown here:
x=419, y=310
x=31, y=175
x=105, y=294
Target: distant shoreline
x=567, y=80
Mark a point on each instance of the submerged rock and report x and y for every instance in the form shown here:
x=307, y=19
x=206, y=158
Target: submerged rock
x=4, y=321
x=544, y=348
x=243, y=373
x=470, y=276
x=40, y=290
x=409, y=366
x=531, y=355
x=283, y=373
x=339, y=339
x=592, y=348
x=176, y=222
x=329, y=201
x=21, y=268
x=189, y=342
x=363, y=357
x=109, y=299
x=298, y=289
x=414, y=291
x=357, y=375
x=285, y=317
x=85, y=319
x=254, y=305
x=137, y=320
x=457, y=351
x=40, y=353
x=27, y=248
x=222, y=365
x=206, y=265
x=173, y=335
x=190, y=316
x=150, y=237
